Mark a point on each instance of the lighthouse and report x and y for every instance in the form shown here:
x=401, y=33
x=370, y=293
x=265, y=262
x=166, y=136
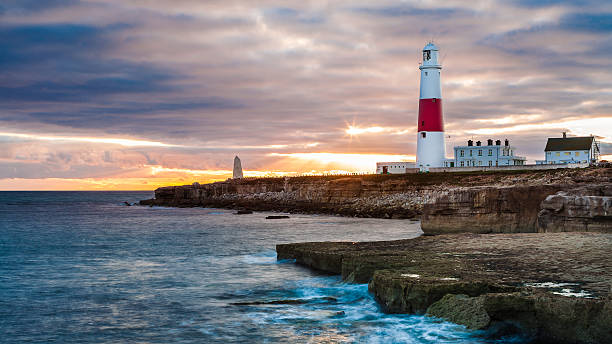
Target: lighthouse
x=430, y=139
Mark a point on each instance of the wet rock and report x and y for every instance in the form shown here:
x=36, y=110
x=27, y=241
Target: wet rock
x=496, y=282
x=549, y=318
x=461, y=309
x=243, y=212
x=399, y=292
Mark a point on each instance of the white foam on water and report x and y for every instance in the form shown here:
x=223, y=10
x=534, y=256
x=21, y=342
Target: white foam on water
x=349, y=313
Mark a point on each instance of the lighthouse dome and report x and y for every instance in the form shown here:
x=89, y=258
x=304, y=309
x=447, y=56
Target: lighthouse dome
x=431, y=46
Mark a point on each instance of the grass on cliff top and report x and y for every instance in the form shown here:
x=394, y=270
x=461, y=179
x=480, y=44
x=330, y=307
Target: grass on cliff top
x=416, y=178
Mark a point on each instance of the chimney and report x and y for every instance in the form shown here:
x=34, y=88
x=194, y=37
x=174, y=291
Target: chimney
x=564, y=135
x=506, y=143
x=470, y=143
x=498, y=143
x=478, y=143
x=489, y=142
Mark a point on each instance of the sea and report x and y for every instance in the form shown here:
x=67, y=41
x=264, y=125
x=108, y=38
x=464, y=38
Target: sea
x=82, y=267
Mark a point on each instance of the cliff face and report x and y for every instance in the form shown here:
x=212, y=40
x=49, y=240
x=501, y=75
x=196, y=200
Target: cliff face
x=584, y=209
x=478, y=202
x=368, y=196
x=512, y=209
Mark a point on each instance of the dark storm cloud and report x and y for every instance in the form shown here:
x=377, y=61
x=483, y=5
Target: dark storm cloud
x=65, y=61
x=589, y=22
x=548, y=3
x=65, y=64
x=24, y=6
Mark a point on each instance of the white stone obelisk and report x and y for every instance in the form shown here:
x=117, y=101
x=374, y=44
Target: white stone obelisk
x=237, y=168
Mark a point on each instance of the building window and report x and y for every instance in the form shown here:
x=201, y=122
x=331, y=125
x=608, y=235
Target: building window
x=567, y=153
x=423, y=134
x=479, y=162
x=490, y=152
x=462, y=164
x=490, y=163
x=470, y=153
x=577, y=153
x=461, y=152
x=480, y=152
x=558, y=154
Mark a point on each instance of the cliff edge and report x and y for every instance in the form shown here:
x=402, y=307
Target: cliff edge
x=477, y=202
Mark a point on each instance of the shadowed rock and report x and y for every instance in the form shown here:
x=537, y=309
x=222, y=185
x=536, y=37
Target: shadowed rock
x=505, y=280
x=480, y=202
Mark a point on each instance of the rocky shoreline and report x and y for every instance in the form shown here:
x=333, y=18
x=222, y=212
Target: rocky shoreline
x=549, y=275
x=554, y=287
x=478, y=202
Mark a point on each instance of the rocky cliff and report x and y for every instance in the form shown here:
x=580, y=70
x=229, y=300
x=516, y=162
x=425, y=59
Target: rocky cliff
x=554, y=287
x=478, y=202
x=507, y=209
x=583, y=209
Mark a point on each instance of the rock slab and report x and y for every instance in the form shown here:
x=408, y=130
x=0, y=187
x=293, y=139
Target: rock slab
x=527, y=281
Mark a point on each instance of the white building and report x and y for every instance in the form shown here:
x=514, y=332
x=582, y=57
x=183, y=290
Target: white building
x=491, y=155
x=395, y=167
x=566, y=150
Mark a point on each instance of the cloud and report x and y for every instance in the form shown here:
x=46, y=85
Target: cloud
x=589, y=22
x=254, y=78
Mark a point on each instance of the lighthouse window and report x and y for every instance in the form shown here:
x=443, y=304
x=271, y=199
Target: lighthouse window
x=423, y=134
x=425, y=73
x=426, y=55
x=422, y=122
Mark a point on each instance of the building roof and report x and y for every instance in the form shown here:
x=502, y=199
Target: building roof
x=430, y=46
x=569, y=143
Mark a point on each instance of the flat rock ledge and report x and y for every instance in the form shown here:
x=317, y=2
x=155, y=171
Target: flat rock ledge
x=553, y=287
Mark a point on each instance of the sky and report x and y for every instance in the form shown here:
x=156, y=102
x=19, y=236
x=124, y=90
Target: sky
x=136, y=94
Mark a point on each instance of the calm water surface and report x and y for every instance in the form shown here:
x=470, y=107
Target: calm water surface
x=79, y=267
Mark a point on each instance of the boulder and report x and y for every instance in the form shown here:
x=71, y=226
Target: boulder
x=582, y=209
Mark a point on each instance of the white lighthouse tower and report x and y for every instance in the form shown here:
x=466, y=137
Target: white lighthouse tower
x=430, y=140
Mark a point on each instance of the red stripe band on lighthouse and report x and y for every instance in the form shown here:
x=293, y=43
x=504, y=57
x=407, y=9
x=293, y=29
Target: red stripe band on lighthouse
x=430, y=115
